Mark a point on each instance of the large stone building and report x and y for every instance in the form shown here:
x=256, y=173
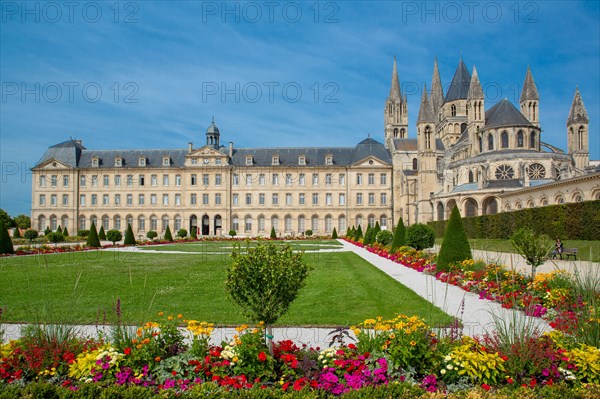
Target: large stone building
x=481, y=161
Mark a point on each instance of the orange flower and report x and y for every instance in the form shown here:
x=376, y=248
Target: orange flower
x=139, y=346
x=157, y=359
x=179, y=316
x=134, y=341
x=146, y=341
x=170, y=317
x=161, y=313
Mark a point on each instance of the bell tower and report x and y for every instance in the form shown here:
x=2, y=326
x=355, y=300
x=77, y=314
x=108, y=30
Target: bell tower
x=395, y=114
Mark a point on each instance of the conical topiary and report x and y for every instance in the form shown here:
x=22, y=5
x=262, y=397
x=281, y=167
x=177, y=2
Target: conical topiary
x=168, y=236
x=92, y=238
x=6, y=245
x=377, y=230
x=399, y=236
x=273, y=233
x=359, y=233
x=129, y=237
x=350, y=232
x=194, y=232
x=65, y=232
x=17, y=233
x=47, y=231
x=59, y=230
x=101, y=233
x=455, y=246
x=334, y=234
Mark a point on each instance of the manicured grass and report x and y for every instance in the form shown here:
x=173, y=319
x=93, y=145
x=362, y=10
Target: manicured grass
x=227, y=246
x=588, y=250
x=84, y=287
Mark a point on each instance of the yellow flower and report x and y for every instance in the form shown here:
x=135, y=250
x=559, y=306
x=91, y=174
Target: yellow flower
x=170, y=317
x=413, y=343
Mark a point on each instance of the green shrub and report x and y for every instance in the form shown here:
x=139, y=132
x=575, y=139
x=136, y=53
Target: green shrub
x=129, y=237
x=152, y=234
x=65, y=232
x=455, y=246
x=30, y=234
x=168, y=236
x=182, y=233
x=384, y=237
x=308, y=233
x=232, y=233
x=273, y=233
x=17, y=233
x=334, y=234
x=56, y=237
x=399, y=236
x=194, y=232
x=359, y=233
x=47, y=231
x=101, y=233
x=83, y=233
x=114, y=236
x=420, y=236
x=6, y=245
x=369, y=235
x=58, y=229
x=92, y=239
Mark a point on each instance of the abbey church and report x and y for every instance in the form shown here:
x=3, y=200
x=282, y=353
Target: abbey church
x=483, y=161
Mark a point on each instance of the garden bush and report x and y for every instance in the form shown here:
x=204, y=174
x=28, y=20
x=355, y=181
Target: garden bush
x=47, y=231
x=83, y=233
x=30, y=234
x=334, y=234
x=6, y=244
x=308, y=233
x=182, y=233
x=420, y=236
x=399, y=236
x=92, y=240
x=232, y=233
x=56, y=237
x=273, y=233
x=65, y=232
x=17, y=233
x=151, y=235
x=114, y=236
x=168, y=235
x=384, y=237
x=101, y=233
x=455, y=246
x=129, y=237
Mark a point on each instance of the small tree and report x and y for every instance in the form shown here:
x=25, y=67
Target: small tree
x=65, y=232
x=308, y=233
x=369, y=235
x=83, y=233
x=359, y=233
x=152, y=235
x=168, y=235
x=194, y=232
x=92, y=239
x=533, y=248
x=182, y=233
x=377, y=229
x=384, y=237
x=6, y=220
x=6, y=245
x=114, y=236
x=350, y=233
x=455, y=246
x=273, y=232
x=129, y=237
x=31, y=234
x=334, y=234
x=58, y=229
x=399, y=236
x=22, y=221
x=101, y=233
x=17, y=233
x=232, y=233
x=420, y=236
x=47, y=231
x=56, y=237
x=264, y=281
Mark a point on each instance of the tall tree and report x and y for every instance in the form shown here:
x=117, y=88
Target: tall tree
x=6, y=245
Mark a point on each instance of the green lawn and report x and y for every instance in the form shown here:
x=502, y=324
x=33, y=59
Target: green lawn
x=226, y=246
x=588, y=250
x=82, y=287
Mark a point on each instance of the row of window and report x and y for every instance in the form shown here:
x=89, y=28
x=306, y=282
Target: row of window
x=275, y=160
x=301, y=223
x=315, y=198
x=504, y=140
x=249, y=179
x=142, y=161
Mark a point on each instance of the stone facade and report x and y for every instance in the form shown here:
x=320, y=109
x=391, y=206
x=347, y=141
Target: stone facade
x=484, y=161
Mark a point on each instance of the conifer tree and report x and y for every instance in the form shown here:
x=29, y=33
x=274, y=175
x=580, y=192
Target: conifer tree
x=168, y=236
x=129, y=237
x=17, y=233
x=399, y=236
x=334, y=234
x=47, y=231
x=377, y=230
x=194, y=232
x=368, y=235
x=59, y=230
x=92, y=238
x=273, y=233
x=6, y=245
x=65, y=232
x=455, y=246
x=101, y=233
x=359, y=233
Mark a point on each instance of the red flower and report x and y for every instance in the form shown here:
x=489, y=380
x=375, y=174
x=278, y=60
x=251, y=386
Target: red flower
x=486, y=387
x=262, y=356
x=127, y=351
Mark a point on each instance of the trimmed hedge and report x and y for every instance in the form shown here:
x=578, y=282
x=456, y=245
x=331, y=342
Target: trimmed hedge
x=574, y=221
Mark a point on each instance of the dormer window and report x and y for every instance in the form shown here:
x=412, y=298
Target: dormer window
x=329, y=160
x=275, y=160
x=249, y=160
x=118, y=161
x=166, y=161
x=95, y=162
x=142, y=161
x=301, y=160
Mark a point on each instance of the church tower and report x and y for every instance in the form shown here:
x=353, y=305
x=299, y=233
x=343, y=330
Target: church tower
x=427, y=167
x=530, y=99
x=437, y=93
x=396, y=112
x=475, y=111
x=578, y=133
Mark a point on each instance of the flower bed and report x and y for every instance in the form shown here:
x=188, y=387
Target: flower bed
x=402, y=352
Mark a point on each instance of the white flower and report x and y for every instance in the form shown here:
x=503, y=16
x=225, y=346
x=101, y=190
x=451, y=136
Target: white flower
x=448, y=358
x=443, y=371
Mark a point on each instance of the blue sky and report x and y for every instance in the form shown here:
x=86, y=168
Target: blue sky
x=152, y=74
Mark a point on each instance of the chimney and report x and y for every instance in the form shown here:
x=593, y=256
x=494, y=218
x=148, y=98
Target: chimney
x=230, y=149
x=190, y=148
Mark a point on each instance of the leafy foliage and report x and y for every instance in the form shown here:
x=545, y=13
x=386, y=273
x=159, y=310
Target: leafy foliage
x=308, y=233
x=532, y=247
x=92, y=239
x=399, y=236
x=114, y=236
x=47, y=231
x=273, y=233
x=182, y=233
x=22, y=221
x=129, y=237
x=384, y=237
x=6, y=245
x=83, y=233
x=194, y=232
x=420, y=236
x=334, y=234
x=30, y=234
x=455, y=246
x=152, y=234
x=168, y=235
x=56, y=237
x=17, y=233
x=264, y=280
x=5, y=219
x=65, y=232
x=359, y=233
x=232, y=233
x=101, y=233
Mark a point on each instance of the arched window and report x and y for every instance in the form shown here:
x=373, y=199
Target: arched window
x=287, y=224
x=359, y=221
x=261, y=222
x=371, y=220
x=105, y=222
x=470, y=176
x=165, y=222
x=580, y=138
x=53, y=222
x=414, y=163
x=402, y=133
x=81, y=223
x=396, y=133
x=428, y=137
x=532, y=140
x=453, y=110
x=275, y=222
x=117, y=222
x=177, y=223
x=490, y=142
x=504, y=139
x=328, y=223
x=342, y=223
x=142, y=223
x=520, y=139
x=440, y=211
x=480, y=144
x=301, y=224
x=383, y=221
x=247, y=223
x=65, y=221
x=314, y=223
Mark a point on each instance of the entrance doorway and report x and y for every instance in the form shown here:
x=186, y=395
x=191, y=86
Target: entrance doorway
x=193, y=224
x=205, y=225
x=218, y=225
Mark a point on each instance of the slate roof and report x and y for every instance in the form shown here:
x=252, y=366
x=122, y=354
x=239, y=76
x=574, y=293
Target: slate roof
x=459, y=88
x=411, y=144
x=315, y=156
x=504, y=114
x=505, y=183
x=130, y=158
x=465, y=187
x=68, y=152
x=475, y=90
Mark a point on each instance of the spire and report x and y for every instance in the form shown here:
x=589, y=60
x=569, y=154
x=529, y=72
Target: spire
x=460, y=83
x=529, y=91
x=437, y=94
x=395, y=89
x=578, y=113
x=426, y=110
x=475, y=90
